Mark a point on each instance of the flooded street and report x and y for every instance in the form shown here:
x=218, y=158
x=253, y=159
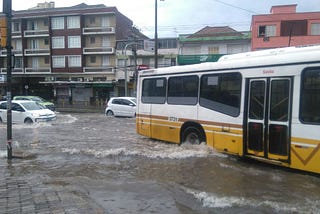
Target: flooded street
x=102, y=160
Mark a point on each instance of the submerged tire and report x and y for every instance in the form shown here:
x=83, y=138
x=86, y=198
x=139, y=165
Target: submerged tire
x=28, y=121
x=109, y=113
x=192, y=135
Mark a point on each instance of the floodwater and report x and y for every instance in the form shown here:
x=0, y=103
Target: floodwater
x=122, y=172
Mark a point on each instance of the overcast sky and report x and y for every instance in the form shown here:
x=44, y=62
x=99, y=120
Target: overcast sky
x=185, y=16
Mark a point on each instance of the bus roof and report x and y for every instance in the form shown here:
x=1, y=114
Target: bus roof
x=270, y=57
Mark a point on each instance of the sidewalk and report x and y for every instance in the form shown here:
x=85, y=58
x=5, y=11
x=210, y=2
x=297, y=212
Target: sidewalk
x=18, y=196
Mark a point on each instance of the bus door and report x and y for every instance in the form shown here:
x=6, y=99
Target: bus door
x=268, y=118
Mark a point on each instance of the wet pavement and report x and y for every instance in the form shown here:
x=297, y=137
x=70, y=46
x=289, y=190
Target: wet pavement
x=89, y=163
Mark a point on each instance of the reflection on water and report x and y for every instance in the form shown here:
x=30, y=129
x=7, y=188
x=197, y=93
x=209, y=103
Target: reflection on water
x=123, y=171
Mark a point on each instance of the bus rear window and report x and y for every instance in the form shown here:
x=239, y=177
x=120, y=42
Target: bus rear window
x=310, y=96
x=154, y=90
x=221, y=92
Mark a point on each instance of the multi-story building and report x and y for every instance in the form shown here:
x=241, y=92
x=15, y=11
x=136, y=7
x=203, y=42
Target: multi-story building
x=284, y=27
x=67, y=54
x=134, y=55
x=210, y=43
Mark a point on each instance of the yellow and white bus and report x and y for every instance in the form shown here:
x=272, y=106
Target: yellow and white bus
x=263, y=105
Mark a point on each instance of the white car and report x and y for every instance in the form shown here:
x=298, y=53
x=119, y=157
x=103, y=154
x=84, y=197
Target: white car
x=121, y=106
x=25, y=111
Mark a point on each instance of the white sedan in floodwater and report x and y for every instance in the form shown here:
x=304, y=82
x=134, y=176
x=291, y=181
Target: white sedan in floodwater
x=25, y=111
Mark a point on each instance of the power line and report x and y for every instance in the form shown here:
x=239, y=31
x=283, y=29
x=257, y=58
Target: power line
x=234, y=6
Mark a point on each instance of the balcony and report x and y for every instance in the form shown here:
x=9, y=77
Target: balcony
x=37, y=52
x=36, y=33
x=98, y=30
x=39, y=70
x=16, y=34
x=14, y=70
x=15, y=52
x=103, y=69
x=98, y=50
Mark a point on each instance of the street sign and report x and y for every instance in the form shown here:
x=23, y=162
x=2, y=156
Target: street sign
x=148, y=45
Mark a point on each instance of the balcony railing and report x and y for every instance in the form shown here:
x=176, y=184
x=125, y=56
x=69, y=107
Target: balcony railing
x=16, y=52
x=16, y=34
x=98, y=30
x=103, y=69
x=36, y=52
x=98, y=50
x=36, y=33
x=14, y=70
x=39, y=70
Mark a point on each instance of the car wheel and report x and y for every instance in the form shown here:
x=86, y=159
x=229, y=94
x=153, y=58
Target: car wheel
x=109, y=113
x=28, y=121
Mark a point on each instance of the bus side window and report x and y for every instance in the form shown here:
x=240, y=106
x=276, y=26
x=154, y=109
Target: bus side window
x=154, y=90
x=310, y=96
x=221, y=92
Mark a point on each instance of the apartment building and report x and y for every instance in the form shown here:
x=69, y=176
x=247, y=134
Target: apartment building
x=285, y=27
x=210, y=43
x=66, y=54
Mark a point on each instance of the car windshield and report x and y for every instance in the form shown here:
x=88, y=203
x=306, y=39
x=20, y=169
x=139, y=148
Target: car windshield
x=32, y=106
x=134, y=100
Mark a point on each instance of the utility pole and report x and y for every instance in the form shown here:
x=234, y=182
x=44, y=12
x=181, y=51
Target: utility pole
x=156, y=34
x=7, y=10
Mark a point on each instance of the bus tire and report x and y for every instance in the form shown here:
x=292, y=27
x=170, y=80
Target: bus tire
x=192, y=135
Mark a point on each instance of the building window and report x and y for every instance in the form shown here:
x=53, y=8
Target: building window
x=73, y=22
x=18, y=62
x=46, y=60
x=46, y=41
x=93, y=59
x=167, y=43
x=315, y=29
x=267, y=30
x=74, y=61
x=213, y=50
x=92, y=20
x=45, y=22
x=16, y=27
x=57, y=23
x=92, y=40
x=74, y=42
x=34, y=44
x=294, y=28
x=58, y=61
x=58, y=42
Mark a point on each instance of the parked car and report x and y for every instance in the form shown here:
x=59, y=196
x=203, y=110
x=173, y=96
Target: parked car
x=26, y=111
x=121, y=106
x=37, y=99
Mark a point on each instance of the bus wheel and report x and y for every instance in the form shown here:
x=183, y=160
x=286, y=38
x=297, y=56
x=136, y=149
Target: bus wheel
x=192, y=135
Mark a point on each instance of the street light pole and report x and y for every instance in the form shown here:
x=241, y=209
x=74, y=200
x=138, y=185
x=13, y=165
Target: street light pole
x=7, y=10
x=124, y=51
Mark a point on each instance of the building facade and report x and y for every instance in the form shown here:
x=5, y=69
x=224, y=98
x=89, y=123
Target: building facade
x=66, y=54
x=134, y=55
x=284, y=27
x=210, y=43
